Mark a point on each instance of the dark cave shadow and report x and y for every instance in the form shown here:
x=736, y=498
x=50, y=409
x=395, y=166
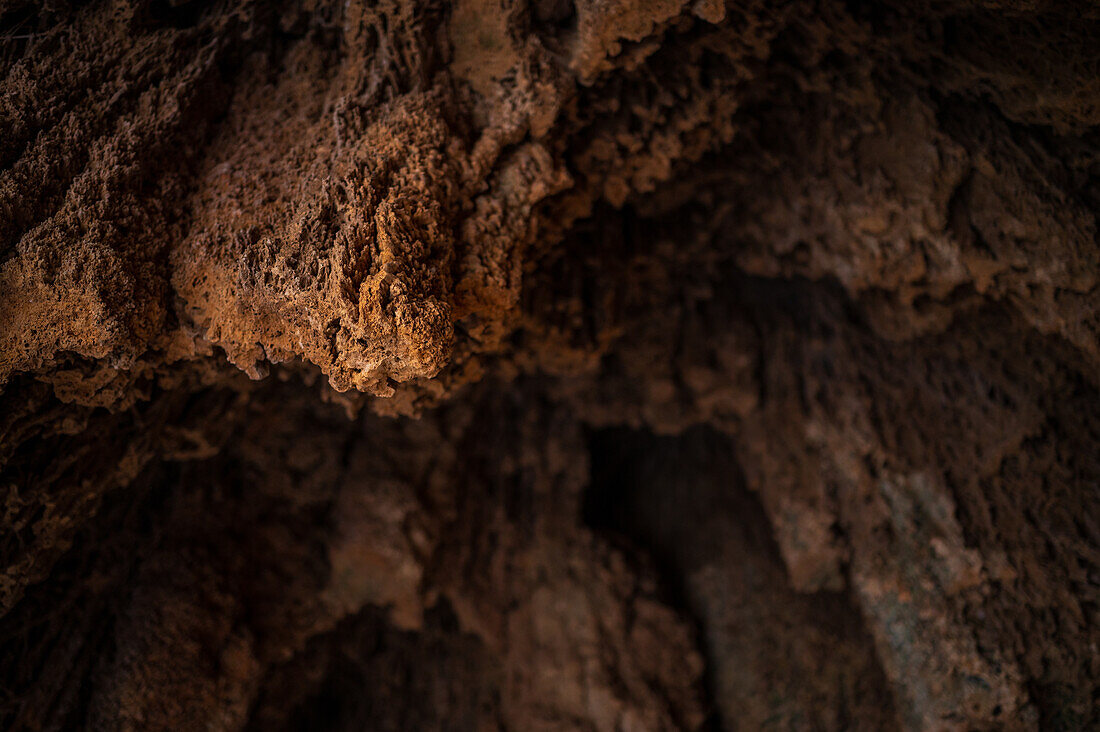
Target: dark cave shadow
x=681, y=503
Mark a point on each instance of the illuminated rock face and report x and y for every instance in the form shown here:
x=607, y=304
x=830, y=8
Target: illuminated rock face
x=547, y=366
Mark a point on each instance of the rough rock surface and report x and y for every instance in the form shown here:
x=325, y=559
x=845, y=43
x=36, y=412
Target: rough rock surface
x=549, y=365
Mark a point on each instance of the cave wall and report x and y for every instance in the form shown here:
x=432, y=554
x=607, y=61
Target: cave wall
x=549, y=365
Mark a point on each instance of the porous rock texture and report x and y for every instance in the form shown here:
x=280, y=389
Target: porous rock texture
x=549, y=365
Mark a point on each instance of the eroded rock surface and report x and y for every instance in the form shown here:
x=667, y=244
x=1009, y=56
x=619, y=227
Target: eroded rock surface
x=547, y=366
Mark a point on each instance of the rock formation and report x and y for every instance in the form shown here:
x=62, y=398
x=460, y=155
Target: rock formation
x=553, y=365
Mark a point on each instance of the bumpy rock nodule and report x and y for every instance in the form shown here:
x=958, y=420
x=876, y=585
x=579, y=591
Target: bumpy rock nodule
x=554, y=365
